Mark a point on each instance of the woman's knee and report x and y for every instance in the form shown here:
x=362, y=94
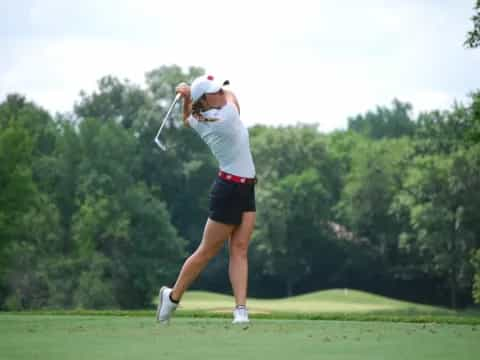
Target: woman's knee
x=239, y=249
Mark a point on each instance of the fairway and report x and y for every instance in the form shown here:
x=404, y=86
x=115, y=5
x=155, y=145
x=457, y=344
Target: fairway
x=45, y=337
x=320, y=302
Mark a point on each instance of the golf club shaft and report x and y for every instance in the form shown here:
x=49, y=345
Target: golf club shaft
x=177, y=97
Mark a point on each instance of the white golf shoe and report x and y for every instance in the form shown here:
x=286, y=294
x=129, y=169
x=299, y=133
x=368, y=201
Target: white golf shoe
x=240, y=315
x=166, y=307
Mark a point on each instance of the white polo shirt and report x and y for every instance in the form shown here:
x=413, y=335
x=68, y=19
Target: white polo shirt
x=228, y=140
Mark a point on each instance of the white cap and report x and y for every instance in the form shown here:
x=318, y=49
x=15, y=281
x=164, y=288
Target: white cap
x=203, y=85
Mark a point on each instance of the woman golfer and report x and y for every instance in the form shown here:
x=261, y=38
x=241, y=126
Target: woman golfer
x=213, y=112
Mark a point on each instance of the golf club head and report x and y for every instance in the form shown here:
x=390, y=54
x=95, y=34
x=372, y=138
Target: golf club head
x=161, y=146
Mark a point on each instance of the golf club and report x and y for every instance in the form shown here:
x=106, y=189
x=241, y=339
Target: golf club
x=172, y=105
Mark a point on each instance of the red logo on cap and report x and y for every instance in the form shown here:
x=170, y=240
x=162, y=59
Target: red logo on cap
x=210, y=77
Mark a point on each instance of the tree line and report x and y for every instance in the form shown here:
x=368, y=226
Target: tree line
x=94, y=215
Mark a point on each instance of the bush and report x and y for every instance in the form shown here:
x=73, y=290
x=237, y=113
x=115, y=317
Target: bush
x=26, y=282
x=95, y=290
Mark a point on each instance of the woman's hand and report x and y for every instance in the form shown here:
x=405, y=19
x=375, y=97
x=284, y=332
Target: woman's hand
x=184, y=90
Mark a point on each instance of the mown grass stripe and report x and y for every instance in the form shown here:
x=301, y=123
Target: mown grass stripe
x=382, y=317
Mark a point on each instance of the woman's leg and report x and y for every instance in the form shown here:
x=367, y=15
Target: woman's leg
x=214, y=236
x=238, y=264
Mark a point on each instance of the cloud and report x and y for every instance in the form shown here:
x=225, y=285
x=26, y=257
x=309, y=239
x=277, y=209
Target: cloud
x=289, y=62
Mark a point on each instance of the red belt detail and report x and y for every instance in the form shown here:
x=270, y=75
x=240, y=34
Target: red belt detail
x=237, y=179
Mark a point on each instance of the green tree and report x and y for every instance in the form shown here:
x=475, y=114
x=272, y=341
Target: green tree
x=95, y=288
x=292, y=226
x=16, y=110
x=119, y=217
x=473, y=36
x=444, y=132
x=473, y=130
x=115, y=100
x=65, y=174
x=16, y=183
x=162, y=81
x=295, y=193
x=440, y=195
x=36, y=247
x=342, y=147
x=366, y=200
x=177, y=176
x=476, y=279
x=17, y=188
x=385, y=122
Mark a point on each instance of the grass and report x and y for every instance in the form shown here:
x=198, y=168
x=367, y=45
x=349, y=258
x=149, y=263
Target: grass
x=371, y=327
x=112, y=337
x=320, y=302
x=323, y=305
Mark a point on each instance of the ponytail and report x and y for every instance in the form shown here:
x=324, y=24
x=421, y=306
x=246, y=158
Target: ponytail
x=197, y=107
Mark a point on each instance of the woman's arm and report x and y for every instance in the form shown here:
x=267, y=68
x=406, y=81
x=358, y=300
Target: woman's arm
x=187, y=110
x=184, y=89
x=230, y=96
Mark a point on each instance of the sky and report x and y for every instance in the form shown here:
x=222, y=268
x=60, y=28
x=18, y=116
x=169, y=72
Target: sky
x=288, y=61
